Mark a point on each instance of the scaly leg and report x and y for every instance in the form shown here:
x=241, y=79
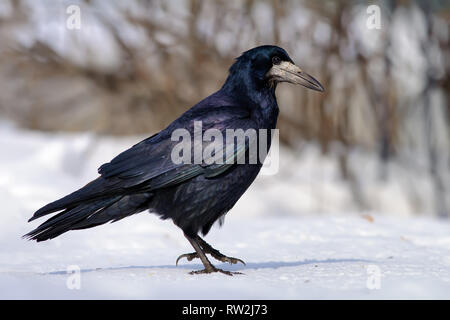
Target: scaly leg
x=216, y=253
x=201, y=247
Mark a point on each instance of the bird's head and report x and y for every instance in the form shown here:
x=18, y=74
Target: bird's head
x=270, y=65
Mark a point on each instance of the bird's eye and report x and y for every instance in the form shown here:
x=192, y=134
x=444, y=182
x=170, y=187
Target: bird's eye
x=276, y=60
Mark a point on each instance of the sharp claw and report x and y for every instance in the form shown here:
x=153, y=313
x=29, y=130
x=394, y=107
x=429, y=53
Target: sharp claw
x=188, y=256
x=230, y=260
x=236, y=260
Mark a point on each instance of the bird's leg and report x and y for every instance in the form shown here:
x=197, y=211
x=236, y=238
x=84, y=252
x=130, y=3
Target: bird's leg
x=206, y=248
x=216, y=253
x=209, y=268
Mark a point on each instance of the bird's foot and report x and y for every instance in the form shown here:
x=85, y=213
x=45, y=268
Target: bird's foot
x=201, y=249
x=220, y=257
x=214, y=269
x=207, y=248
x=214, y=253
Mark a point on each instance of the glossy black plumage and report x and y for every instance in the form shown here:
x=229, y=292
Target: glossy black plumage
x=144, y=177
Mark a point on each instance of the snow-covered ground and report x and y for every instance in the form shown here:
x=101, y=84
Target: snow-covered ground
x=293, y=250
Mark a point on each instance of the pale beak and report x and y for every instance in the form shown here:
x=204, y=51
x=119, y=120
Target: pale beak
x=288, y=72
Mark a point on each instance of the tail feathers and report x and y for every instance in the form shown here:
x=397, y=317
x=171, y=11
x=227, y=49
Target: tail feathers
x=71, y=201
x=126, y=206
x=90, y=214
x=63, y=222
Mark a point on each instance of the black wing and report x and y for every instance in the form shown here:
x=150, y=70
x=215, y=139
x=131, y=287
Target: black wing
x=149, y=163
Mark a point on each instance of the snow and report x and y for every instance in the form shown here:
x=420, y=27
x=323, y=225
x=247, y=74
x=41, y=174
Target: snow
x=291, y=250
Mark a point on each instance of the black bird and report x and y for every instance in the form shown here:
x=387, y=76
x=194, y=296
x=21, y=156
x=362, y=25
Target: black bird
x=193, y=195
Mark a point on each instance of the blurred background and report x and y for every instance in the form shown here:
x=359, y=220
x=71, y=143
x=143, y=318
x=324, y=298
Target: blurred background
x=83, y=80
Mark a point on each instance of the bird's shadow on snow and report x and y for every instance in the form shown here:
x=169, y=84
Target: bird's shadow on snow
x=238, y=267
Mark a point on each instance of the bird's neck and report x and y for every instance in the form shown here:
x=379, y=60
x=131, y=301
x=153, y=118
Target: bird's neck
x=258, y=96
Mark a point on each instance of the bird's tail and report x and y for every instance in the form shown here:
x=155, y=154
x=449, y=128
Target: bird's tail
x=91, y=191
x=86, y=208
